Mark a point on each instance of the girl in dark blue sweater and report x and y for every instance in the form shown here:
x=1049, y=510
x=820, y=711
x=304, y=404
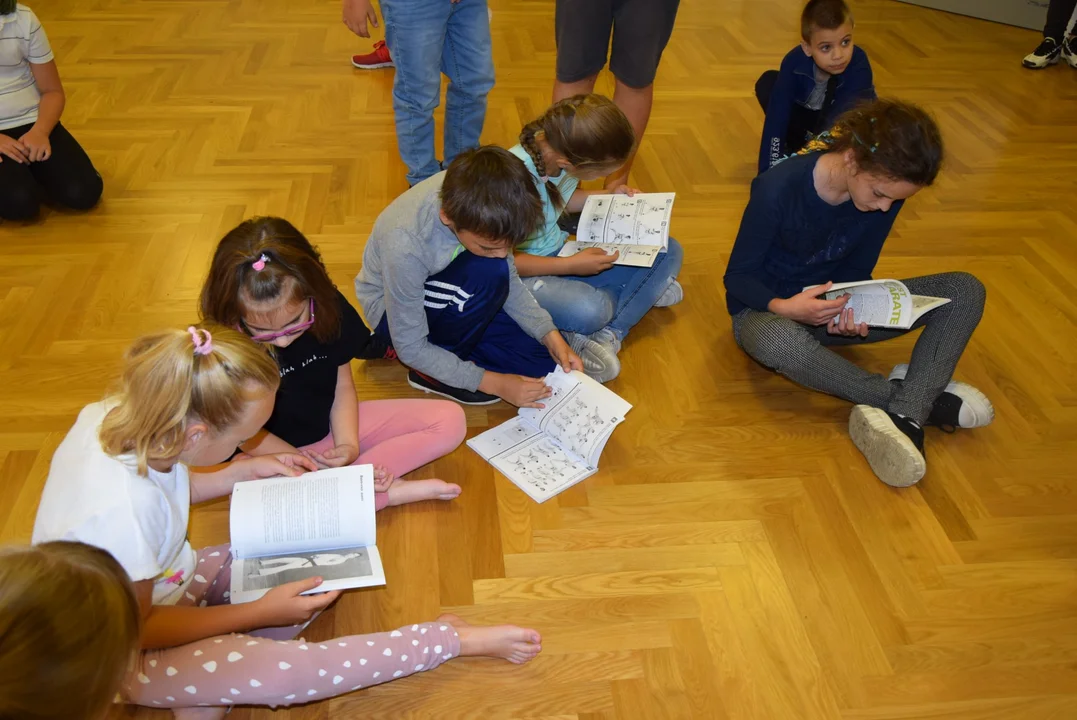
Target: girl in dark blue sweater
x=821, y=218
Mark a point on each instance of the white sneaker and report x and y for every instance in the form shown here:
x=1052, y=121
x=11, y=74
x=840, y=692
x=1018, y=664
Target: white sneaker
x=600, y=363
x=892, y=445
x=673, y=294
x=959, y=406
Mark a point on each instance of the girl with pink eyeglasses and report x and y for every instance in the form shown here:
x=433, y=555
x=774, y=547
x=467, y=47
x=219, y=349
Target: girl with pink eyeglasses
x=269, y=281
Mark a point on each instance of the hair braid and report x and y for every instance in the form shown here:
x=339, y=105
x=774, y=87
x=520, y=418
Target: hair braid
x=530, y=144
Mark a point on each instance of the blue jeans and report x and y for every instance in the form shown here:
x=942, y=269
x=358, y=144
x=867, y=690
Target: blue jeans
x=428, y=38
x=618, y=297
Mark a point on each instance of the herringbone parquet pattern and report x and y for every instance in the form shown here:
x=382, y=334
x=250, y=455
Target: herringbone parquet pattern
x=734, y=559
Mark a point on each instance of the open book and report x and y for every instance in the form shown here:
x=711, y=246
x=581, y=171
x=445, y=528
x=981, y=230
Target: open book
x=636, y=226
x=317, y=524
x=884, y=303
x=549, y=450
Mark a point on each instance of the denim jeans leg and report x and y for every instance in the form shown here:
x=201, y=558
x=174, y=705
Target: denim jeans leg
x=574, y=306
x=638, y=289
x=467, y=60
x=415, y=30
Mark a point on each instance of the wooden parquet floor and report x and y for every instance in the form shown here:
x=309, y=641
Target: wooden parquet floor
x=734, y=559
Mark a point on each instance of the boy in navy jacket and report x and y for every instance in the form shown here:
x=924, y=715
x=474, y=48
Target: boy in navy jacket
x=817, y=82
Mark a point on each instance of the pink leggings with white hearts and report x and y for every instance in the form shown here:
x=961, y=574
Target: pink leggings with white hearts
x=260, y=669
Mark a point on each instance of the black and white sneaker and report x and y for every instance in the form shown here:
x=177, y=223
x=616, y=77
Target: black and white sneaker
x=1046, y=54
x=892, y=445
x=464, y=397
x=959, y=406
x=1069, y=51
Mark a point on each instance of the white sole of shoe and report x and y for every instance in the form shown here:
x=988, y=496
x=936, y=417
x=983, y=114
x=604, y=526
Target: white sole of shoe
x=1071, y=60
x=891, y=454
x=983, y=412
x=447, y=396
x=1038, y=64
x=375, y=66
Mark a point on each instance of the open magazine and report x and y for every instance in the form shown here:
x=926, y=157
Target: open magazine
x=317, y=524
x=636, y=226
x=884, y=303
x=547, y=451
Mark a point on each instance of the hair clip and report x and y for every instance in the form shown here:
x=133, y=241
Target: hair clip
x=203, y=341
x=871, y=148
x=260, y=264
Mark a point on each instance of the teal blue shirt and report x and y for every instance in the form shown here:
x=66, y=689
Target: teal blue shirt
x=547, y=239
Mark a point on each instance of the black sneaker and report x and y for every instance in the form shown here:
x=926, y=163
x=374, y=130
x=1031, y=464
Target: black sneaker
x=960, y=405
x=464, y=397
x=892, y=445
x=1046, y=54
x=1069, y=51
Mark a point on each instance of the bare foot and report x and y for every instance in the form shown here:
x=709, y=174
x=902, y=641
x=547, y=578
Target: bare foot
x=200, y=713
x=402, y=492
x=515, y=644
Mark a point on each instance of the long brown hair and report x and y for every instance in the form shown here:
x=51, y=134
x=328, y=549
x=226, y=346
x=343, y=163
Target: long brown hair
x=166, y=384
x=891, y=138
x=589, y=130
x=69, y=629
x=290, y=265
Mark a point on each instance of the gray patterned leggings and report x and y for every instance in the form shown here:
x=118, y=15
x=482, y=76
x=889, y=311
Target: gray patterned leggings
x=259, y=669
x=799, y=351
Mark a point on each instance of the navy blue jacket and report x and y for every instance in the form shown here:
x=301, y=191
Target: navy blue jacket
x=790, y=238
x=796, y=80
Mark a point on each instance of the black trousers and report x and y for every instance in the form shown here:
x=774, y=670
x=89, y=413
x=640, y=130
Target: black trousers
x=1059, y=13
x=67, y=178
x=803, y=123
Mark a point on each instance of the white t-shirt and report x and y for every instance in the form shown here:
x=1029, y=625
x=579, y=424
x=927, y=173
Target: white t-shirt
x=22, y=41
x=100, y=500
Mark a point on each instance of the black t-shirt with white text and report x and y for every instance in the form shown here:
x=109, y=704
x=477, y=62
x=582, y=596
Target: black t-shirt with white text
x=308, y=377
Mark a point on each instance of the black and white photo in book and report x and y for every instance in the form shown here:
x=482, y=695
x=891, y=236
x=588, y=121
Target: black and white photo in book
x=268, y=572
x=546, y=451
x=320, y=524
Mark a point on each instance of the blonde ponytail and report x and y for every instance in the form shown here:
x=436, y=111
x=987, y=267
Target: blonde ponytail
x=171, y=377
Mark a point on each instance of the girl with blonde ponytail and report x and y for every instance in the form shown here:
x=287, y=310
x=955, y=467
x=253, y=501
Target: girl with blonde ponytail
x=123, y=480
x=579, y=139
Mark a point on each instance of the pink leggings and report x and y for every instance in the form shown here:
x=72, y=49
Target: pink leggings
x=402, y=435
x=259, y=670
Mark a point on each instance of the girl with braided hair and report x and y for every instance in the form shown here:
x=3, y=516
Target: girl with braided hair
x=821, y=217
x=579, y=139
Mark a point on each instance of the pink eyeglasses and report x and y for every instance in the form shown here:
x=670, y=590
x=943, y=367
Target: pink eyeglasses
x=285, y=332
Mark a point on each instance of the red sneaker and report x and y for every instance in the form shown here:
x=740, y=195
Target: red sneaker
x=379, y=58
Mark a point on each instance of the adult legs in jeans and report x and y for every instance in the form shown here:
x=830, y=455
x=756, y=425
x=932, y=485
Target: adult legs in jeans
x=467, y=60
x=67, y=178
x=637, y=289
x=801, y=353
x=416, y=30
x=401, y=435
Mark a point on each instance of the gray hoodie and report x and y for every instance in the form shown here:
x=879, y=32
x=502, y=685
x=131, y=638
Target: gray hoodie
x=409, y=243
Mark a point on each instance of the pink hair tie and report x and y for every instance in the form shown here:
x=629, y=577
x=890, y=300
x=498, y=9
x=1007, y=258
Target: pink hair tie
x=544, y=179
x=260, y=264
x=203, y=341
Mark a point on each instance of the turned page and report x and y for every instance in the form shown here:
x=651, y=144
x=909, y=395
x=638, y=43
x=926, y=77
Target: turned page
x=323, y=510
